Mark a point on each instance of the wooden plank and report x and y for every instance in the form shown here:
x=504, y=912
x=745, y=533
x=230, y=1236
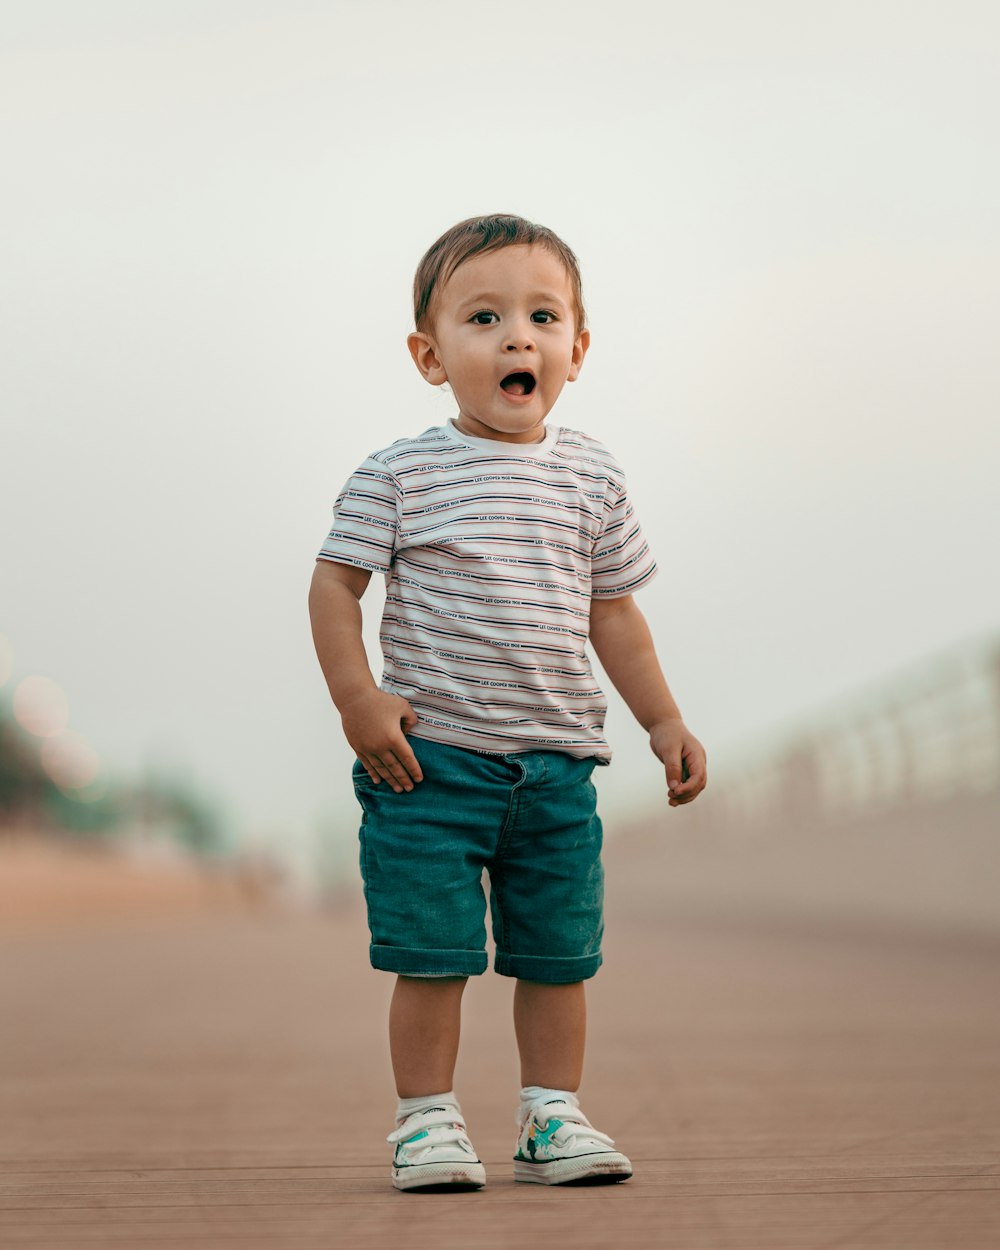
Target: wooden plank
x=222, y=1079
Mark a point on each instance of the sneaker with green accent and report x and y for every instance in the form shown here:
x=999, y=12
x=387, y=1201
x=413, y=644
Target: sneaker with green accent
x=557, y=1145
x=433, y=1151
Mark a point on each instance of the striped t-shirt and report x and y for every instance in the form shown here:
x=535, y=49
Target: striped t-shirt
x=492, y=552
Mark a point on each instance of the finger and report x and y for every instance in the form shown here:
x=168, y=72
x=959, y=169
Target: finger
x=384, y=766
x=378, y=770
x=404, y=754
x=672, y=767
x=694, y=765
x=409, y=718
x=370, y=767
x=398, y=777
x=690, y=789
x=691, y=785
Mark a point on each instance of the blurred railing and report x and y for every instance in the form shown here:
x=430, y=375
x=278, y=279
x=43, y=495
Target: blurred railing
x=918, y=738
x=883, y=809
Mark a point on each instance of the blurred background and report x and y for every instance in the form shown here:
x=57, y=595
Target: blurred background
x=786, y=219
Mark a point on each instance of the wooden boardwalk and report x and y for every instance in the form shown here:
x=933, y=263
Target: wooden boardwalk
x=221, y=1080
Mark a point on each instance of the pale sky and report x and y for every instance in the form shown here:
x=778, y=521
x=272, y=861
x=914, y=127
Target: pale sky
x=786, y=216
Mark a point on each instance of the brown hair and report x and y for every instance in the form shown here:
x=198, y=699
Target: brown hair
x=476, y=236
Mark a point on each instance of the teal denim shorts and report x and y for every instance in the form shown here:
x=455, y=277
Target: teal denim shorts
x=529, y=820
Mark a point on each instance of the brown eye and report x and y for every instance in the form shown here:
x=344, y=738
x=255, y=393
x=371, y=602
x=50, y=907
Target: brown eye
x=484, y=318
x=542, y=317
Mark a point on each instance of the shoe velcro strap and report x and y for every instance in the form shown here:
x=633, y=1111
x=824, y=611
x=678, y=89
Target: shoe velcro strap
x=421, y=1120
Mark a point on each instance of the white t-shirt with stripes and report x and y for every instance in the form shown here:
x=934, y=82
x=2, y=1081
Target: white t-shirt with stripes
x=492, y=552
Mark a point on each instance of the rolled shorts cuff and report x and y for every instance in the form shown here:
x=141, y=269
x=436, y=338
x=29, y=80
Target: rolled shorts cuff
x=556, y=971
x=414, y=962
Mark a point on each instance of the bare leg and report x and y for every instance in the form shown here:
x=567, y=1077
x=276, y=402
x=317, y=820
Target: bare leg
x=551, y=1026
x=424, y=1024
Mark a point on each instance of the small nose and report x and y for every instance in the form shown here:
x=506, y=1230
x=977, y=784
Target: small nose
x=519, y=339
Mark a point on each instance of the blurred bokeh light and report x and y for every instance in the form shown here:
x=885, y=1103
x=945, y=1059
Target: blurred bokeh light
x=71, y=762
x=41, y=707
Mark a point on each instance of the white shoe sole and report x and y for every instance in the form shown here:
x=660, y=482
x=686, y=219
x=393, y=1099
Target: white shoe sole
x=593, y=1168
x=457, y=1175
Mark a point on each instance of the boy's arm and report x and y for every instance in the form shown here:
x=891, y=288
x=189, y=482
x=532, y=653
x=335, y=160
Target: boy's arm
x=624, y=645
x=373, y=719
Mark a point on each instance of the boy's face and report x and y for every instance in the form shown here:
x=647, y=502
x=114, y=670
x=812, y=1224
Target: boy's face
x=504, y=336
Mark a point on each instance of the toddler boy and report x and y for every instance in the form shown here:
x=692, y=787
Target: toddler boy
x=505, y=544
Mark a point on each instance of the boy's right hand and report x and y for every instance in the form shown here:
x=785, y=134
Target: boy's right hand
x=375, y=723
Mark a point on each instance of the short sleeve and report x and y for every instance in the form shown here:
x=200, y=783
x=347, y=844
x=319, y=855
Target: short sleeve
x=365, y=520
x=621, y=560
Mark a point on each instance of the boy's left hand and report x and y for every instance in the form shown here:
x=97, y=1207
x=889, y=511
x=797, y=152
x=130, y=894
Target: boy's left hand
x=683, y=758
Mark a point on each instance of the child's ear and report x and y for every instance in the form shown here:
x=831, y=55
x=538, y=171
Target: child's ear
x=424, y=351
x=579, y=351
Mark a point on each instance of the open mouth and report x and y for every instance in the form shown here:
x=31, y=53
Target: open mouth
x=518, y=383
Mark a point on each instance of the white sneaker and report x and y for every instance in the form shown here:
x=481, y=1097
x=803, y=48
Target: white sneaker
x=557, y=1145
x=433, y=1149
